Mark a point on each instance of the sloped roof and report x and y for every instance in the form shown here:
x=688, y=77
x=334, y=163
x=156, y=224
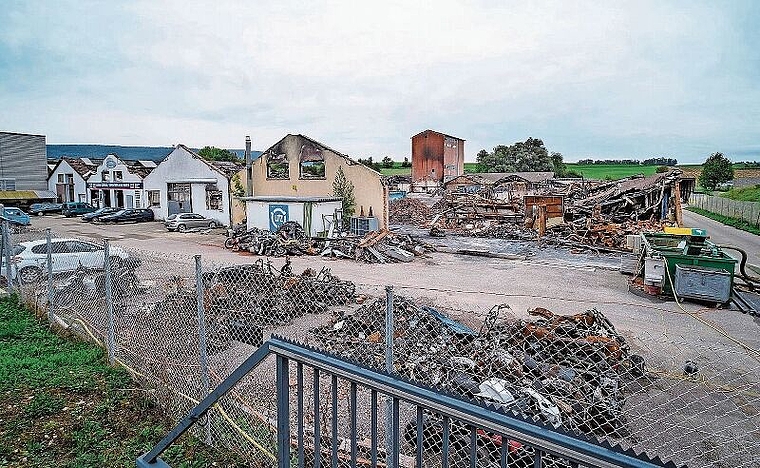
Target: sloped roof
x=440, y=133
x=80, y=167
x=491, y=178
x=135, y=167
x=225, y=168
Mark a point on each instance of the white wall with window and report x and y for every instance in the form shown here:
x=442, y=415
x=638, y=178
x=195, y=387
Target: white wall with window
x=67, y=183
x=184, y=183
x=114, y=185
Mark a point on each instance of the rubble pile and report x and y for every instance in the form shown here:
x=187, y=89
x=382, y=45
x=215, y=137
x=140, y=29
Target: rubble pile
x=378, y=247
x=490, y=229
x=634, y=198
x=599, y=234
x=408, y=211
x=566, y=371
x=375, y=247
x=241, y=300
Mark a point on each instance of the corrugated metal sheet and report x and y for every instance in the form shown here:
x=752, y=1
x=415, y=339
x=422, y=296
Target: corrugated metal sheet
x=24, y=158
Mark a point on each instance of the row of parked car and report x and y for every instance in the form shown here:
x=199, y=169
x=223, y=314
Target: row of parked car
x=176, y=222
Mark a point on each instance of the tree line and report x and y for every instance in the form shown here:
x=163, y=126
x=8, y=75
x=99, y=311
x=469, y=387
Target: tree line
x=631, y=162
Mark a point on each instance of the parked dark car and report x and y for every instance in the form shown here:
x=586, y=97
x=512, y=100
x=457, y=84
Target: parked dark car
x=100, y=212
x=127, y=216
x=76, y=208
x=40, y=209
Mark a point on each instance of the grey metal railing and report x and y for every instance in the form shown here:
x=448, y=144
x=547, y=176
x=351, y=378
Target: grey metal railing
x=541, y=446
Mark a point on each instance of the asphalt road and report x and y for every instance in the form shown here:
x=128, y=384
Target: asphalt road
x=722, y=234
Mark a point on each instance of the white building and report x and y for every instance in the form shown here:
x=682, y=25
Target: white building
x=68, y=178
x=186, y=183
x=118, y=183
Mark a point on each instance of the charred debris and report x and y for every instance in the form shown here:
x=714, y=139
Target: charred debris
x=567, y=371
x=594, y=215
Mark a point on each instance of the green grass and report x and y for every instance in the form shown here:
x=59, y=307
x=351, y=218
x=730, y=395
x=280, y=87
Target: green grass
x=744, y=194
x=61, y=404
x=613, y=171
x=728, y=221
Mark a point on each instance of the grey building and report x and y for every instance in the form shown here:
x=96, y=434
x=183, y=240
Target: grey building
x=23, y=162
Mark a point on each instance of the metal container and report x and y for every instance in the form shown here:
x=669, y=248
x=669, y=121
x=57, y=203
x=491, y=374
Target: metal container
x=628, y=264
x=654, y=271
x=703, y=283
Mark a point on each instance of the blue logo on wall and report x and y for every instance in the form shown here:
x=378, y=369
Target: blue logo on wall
x=110, y=164
x=278, y=215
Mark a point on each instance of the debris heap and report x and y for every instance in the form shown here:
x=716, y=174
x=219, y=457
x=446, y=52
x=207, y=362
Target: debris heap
x=241, y=300
x=600, y=235
x=566, y=371
x=378, y=247
x=408, y=211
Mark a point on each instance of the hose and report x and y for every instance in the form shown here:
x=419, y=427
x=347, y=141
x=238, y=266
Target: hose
x=746, y=276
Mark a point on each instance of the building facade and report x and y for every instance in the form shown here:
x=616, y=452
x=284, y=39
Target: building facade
x=69, y=176
x=118, y=183
x=186, y=183
x=23, y=169
x=300, y=167
x=436, y=157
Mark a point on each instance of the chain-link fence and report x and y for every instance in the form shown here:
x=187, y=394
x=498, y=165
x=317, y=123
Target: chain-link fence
x=181, y=325
x=745, y=210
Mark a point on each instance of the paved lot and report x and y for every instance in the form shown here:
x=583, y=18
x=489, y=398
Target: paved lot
x=466, y=287
x=452, y=281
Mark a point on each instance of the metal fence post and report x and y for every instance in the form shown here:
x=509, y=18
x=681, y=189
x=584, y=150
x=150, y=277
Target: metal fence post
x=389, y=330
x=7, y=253
x=202, y=344
x=49, y=261
x=109, y=302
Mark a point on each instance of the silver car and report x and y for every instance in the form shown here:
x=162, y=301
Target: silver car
x=183, y=221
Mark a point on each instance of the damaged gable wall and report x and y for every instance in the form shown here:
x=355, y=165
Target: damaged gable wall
x=369, y=190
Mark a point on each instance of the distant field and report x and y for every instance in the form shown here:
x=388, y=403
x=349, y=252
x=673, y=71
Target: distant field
x=589, y=171
x=614, y=171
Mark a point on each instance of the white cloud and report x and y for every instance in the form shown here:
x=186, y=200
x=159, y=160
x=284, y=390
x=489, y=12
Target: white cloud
x=589, y=78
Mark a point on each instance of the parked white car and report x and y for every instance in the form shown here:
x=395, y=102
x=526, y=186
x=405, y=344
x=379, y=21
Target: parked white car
x=29, y=259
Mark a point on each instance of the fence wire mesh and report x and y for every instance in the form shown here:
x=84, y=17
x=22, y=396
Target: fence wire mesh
x=181, y=325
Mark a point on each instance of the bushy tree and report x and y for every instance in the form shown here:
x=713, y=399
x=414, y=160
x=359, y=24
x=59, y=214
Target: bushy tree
x=387, y=162
x=716, y=170
x=406, y=163
x=523, y=156
x=344, y=188
x=212, y=153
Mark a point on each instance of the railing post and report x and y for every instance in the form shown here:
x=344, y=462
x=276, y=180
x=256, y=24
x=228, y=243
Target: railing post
x=49, y=262
x=7, y=253
x=390, y=443
x=109, y=302
x=283, y=414
x=202, y=343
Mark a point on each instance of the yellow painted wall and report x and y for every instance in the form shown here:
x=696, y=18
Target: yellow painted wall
x=368, y=188
x=238, y=206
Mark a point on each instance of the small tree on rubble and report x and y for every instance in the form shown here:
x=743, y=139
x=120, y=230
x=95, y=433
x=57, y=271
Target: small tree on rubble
x=716, y=170
x=343, y=188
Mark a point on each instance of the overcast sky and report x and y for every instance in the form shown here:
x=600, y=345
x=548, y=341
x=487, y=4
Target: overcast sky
x=597, y=79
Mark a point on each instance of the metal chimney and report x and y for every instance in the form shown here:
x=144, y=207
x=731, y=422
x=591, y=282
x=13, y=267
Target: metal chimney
x=248, y=168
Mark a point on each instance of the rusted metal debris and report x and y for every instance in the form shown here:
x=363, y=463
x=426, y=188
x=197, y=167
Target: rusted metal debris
x=567, y=371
